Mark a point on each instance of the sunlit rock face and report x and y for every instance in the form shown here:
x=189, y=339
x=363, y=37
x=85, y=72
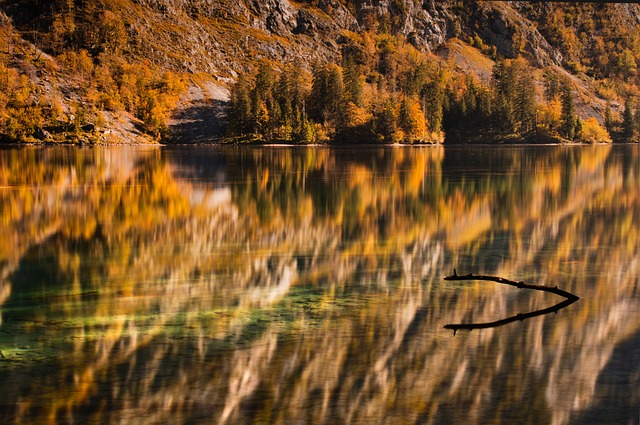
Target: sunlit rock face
x=268, y=285
x=222, y=37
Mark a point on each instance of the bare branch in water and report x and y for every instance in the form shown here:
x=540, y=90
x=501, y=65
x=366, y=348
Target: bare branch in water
x=570, y=299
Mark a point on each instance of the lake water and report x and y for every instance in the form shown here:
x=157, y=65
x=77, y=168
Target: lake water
x=305, y=285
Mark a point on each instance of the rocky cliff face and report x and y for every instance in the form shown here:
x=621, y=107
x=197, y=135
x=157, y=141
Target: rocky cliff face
x=426, y=25
x=228, y=37
x=222, y=37
x=310, y=31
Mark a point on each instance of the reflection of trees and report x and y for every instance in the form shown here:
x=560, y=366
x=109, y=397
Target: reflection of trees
x=306, y=283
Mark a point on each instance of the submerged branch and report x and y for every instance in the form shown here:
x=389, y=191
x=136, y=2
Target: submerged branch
x=570, y=299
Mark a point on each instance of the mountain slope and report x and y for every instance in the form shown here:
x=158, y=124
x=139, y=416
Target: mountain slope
x=85, y=55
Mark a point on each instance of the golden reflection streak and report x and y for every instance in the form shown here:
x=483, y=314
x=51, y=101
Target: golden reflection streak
x=393, y=377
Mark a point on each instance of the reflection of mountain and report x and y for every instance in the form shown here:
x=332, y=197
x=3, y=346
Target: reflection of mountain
x=286, y=285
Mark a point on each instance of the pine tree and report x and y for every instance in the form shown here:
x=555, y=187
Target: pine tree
x=284, y=96
x=526, y=104
x=608, y=118
x=485, y=104
x=335, y=90
x=352, y=82
x=628, y=127
x=265, y=109
x=504, y=82
x=636, y=120
x=578, y=128
x=289, y=96
x=240, y=112
x=551, y=85
x=318, y=93
x=265, y=79
x=514, y=94
x=386, y=120
x=306, y=133
x=433, y=102
x=418, y=78
x=326, y=99
x=568, y=112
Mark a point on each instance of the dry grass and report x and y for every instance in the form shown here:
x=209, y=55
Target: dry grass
x=468, y=60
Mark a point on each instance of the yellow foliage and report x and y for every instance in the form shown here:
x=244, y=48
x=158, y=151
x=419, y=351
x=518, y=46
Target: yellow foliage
x=8, y=79
x=22, y=122
x=593, y=132
x=356, y=116
x=550, y=115
x=412, y=120
x=78, y=63
x=22, y=93
x=113, y=33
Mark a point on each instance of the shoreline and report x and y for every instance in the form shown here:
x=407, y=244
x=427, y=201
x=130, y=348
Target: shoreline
x=313, y=145
x=540, y=139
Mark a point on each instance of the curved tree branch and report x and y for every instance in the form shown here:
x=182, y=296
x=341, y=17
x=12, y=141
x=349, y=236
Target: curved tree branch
x=570, y=299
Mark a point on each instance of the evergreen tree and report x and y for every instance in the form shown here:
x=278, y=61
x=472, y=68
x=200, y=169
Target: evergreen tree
x=608, y=118
x=286, y=121
x=504, y=82
x=470, y=98
x=326, y=99
x=433, y=102
x=526, y=104
x=418, y=78
x=352, y=82
x=636, y=119
x=265, y=78
x=568, y=112
x=265, y=109
x=318, y=93
x=578, y=129
x=240, y=112
x=515, y=96
x=485, y=105
x=306, y=132
x=628, y=125
x=299, y=90
x=335, y=91
x=290, y=96
x=551, y=85
x=386, y=120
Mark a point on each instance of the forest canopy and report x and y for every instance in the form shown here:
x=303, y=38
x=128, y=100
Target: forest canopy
x=400, y=95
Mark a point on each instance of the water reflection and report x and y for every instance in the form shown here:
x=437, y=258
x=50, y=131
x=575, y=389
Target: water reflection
x=305, y=285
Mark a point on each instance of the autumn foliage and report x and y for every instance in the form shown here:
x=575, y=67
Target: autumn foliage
x=374, y=86
x=403, y=96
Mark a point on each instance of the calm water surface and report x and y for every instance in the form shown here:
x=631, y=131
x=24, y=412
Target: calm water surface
x=305, y=285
